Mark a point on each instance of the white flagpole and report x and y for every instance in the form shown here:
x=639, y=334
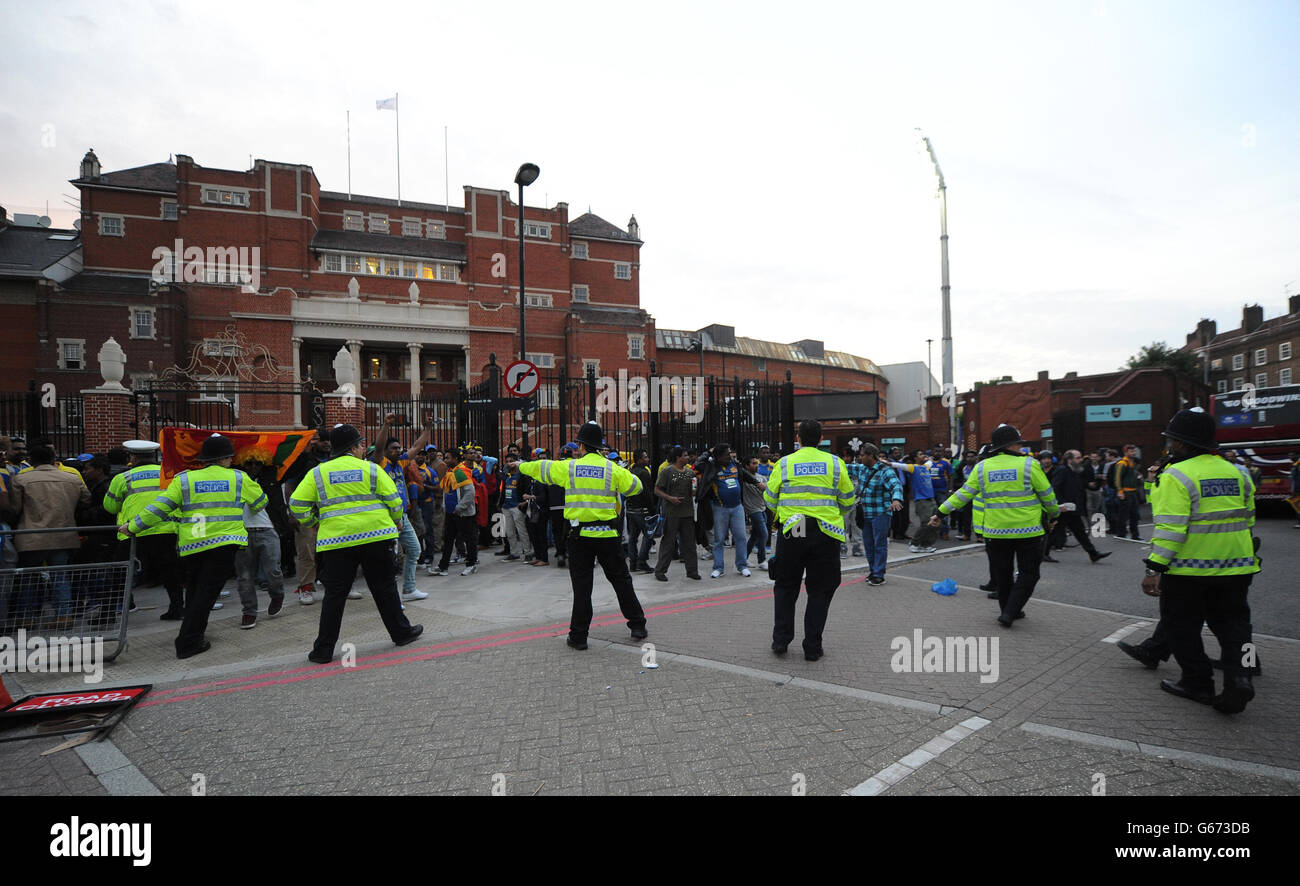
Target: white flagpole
x=397, y=106
x=349, y=155
x=446, y=175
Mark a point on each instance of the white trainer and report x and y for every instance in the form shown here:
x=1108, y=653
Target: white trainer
x=415, y=595
x=470, y=570
x=354, y=594
x=746, y=573
x=717, y=573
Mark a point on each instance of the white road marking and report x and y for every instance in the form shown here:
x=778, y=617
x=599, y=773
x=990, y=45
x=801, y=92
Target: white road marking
x=1125, y=631
x=896, y=772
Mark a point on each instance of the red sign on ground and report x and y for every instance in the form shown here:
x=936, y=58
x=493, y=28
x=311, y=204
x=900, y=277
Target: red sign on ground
x=60, y=700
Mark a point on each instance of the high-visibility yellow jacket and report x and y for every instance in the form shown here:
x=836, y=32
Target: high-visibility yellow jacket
x=591, y=486
x=354, y=502
x=211, y=504
x=1015, y=493
x=131, y=491
x=813, y=484
x=1204, y=510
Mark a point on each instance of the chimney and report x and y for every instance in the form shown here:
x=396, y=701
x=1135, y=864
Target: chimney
x=1042, y=375
x=1206, y=330
x=4, y=215
x=633, y=228
x=1072, y=374
x=1252, y=316
x=90, y=165
x=1293, y=305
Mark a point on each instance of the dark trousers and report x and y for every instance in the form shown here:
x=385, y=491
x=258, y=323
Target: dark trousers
x=208, y=571
x=1074, y=522
x=1006, y=556
x=816, y=556
x=537, y=532
x=1127, y=514
x=158, y=555
x=559, y=529
x=465, y=529
x=681, y=530
x=338, y=570
x=1188, y=602
x=583, y=553
x=638, y=540
x=901, y=520
x=961, y=521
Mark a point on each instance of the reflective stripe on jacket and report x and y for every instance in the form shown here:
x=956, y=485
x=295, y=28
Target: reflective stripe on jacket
x=211, y=504
x=130, y=492
x=591, y=487
x=1014, y=493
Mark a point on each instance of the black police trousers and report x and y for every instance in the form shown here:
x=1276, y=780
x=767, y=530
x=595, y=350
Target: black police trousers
x=817, y=556
x=1186, y=603
x=338, y=571
x=583, y=553
x=208, y=570
x=1006, y=556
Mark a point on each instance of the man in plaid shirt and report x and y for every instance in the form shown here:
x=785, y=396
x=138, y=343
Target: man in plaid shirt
x=880, y=494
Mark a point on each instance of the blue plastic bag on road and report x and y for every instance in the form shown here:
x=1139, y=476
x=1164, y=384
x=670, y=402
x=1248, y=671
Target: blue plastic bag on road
x=947, y=587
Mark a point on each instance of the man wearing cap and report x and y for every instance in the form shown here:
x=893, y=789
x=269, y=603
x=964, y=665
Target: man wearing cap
x=1016, y=495
x=1202, y=562
x=592, y=485
x=211, y=502
x=355, y=507
x=128, y=494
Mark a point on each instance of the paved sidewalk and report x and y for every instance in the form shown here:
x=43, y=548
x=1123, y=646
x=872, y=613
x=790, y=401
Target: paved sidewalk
x=492, y=698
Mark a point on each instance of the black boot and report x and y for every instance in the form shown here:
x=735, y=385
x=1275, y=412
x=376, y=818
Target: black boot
x=1236, y=693
x=1204, y=696
x=1140, y=654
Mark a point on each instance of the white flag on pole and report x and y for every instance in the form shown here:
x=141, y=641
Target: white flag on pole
x=386, y=104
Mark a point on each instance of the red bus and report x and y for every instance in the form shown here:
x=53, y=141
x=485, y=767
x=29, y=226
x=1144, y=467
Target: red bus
x=1262, y=425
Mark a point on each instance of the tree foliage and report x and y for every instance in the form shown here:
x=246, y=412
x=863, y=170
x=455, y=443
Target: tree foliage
x=1158, y=354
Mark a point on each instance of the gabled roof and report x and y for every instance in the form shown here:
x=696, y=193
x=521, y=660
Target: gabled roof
x=593, y=227
x=679, y=339
x=152, y=177
x=386, y=244
x=29, y=251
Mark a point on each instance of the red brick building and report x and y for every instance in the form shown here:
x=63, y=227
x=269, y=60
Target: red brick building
x=1259, y=352
x=1082, y=412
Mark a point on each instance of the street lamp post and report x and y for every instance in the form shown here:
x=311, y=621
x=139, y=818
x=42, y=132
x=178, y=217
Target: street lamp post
x=948, y=389
x=526, y=175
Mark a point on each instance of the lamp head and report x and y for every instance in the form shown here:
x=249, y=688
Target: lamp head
x=527, y=174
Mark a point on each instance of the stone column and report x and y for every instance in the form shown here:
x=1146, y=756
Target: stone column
x=414, y=348
x=355, y=347
x=297, y=381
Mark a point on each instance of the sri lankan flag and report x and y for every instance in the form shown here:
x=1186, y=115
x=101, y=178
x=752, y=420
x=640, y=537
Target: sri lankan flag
x=180, y=448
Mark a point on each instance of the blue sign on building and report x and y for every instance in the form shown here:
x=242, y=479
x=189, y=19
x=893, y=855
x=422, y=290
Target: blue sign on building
x=1120, y=412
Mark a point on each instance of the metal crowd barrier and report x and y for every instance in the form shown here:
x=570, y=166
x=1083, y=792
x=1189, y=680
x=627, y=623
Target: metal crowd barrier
x=85, y=600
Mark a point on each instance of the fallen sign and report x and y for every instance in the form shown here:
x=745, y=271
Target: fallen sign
x=68, y=712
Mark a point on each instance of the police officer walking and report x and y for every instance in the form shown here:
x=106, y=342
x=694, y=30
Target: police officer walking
x=810, y=491
x=356, y=509
x=211, y=531
x=591, y=486
x=1016, y=495
x=128, y=495
x=1202, y=561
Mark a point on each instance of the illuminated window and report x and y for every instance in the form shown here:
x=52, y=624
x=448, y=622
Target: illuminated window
x=372, y=265
x=392, y=267
x=428, y=271
x=436, y=230
x=375, y=368
x=354, y=221
x=378, y=223
x=352, y=264
x=430, y=370
x=447, y=273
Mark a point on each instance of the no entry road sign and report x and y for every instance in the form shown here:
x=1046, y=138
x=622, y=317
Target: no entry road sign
x=522, y=378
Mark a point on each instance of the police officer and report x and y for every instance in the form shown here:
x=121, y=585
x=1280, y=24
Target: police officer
x=591, y=485
x=1016, y=495
x=355, y=508
x=810, y=491
x=128, y=494
x=1202, y=561
x=211, y=530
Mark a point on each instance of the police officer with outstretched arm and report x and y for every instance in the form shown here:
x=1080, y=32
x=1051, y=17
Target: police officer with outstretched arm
x=591, y=484
x=356, y=509
x=810, y=491
x=1016, y=496
x=211, y=502
x=1202, y=562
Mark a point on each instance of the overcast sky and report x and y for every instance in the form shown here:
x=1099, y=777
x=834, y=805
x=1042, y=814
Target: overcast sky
x=1116, y=170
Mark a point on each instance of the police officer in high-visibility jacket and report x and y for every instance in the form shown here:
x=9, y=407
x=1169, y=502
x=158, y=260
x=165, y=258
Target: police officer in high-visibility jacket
x=810, y=491
x=1202, y=562
x=356, y=509
x=128, y=494
x=210, y=531
x=592, y=485
x=1016, y=494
